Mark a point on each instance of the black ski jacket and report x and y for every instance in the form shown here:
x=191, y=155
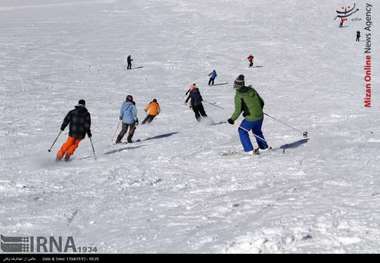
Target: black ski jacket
x=80, y=122
x=195, y=96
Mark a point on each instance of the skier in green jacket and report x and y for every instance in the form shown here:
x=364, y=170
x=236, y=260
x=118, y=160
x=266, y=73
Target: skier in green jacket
x=248, y=101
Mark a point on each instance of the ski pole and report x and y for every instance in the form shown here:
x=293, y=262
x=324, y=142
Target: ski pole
x=93, y=149
x=213, y=104
x=244, y=129
x=59, y=134
x=117, y=128
x=304, y=133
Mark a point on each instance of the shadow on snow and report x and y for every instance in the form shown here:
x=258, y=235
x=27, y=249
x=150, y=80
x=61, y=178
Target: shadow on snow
x=293, y=144
x=136, y=147
x=220, y=84
x=123, y=149
x=160, y=136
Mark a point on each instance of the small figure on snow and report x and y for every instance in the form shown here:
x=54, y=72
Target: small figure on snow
x=152, y=109
x=128, y=116
x=250, y=59
x=212, y=76
x=129, y=62
x=79, y=120
x=248, y=101
x=196, y=102
x=357, y=36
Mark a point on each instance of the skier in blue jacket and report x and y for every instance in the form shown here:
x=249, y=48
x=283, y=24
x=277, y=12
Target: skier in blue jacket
x=128, y=116
x=212, y=76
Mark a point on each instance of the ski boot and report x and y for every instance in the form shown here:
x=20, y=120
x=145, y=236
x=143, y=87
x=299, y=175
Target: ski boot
x=257, y=151
x=67, y=158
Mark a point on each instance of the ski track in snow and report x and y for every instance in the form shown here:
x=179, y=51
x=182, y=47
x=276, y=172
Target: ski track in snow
x=176, y=193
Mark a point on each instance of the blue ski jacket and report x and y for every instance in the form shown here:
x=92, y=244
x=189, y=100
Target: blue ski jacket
x=128, y=113
x=213, y=74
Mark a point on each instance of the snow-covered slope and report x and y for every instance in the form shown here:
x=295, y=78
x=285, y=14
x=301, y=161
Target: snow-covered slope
x=176, y=192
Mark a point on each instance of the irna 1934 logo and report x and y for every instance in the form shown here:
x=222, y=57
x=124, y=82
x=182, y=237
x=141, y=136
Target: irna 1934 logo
x=41, y=244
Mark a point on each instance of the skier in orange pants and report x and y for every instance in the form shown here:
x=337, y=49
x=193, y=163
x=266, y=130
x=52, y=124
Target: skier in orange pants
x=68, y=148
x=80, y=124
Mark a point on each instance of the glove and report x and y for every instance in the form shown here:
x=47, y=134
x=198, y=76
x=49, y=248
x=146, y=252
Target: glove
x=89, y=134
x=230, y=121
x=120, y=118
x=137, y=122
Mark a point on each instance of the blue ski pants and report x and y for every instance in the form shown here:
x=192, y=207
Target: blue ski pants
x=255, y=126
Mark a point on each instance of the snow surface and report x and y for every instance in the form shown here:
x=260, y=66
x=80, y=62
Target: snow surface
x=176, y=192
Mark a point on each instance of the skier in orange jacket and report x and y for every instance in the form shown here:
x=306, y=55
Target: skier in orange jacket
x=152, y=109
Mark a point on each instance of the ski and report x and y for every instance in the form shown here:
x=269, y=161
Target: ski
x=233, y=153
x=218, y=123
x=123, y=143
x=135, y=141
x=219, y=84
x=241, y=153
x=257, y=152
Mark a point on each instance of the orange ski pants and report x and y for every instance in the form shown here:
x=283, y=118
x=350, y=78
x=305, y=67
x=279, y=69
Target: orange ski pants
x=68, y=147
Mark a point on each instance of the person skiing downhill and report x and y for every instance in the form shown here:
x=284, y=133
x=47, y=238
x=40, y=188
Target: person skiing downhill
x=129, y=61
x=248, y=101
x=128, y=116
x=196, y=102
x=152, y=109
x=79, y=121
x=212, y=76
x=250, y=59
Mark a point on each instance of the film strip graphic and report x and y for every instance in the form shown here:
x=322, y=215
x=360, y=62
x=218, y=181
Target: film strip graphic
x=15, y=244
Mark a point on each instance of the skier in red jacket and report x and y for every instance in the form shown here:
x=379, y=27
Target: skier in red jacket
x=250, y=59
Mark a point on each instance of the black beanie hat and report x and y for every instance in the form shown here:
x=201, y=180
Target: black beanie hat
x=129, y=98
x=82, y=102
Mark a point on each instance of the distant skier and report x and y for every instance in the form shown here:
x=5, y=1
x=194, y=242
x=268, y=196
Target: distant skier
x=212, y=76
x=357, y=36
x=250, y=59
x=248, y=101
x=196, y=102
x=129, y=62
x=152, y=109
x=79, y=121
x=128, y=116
